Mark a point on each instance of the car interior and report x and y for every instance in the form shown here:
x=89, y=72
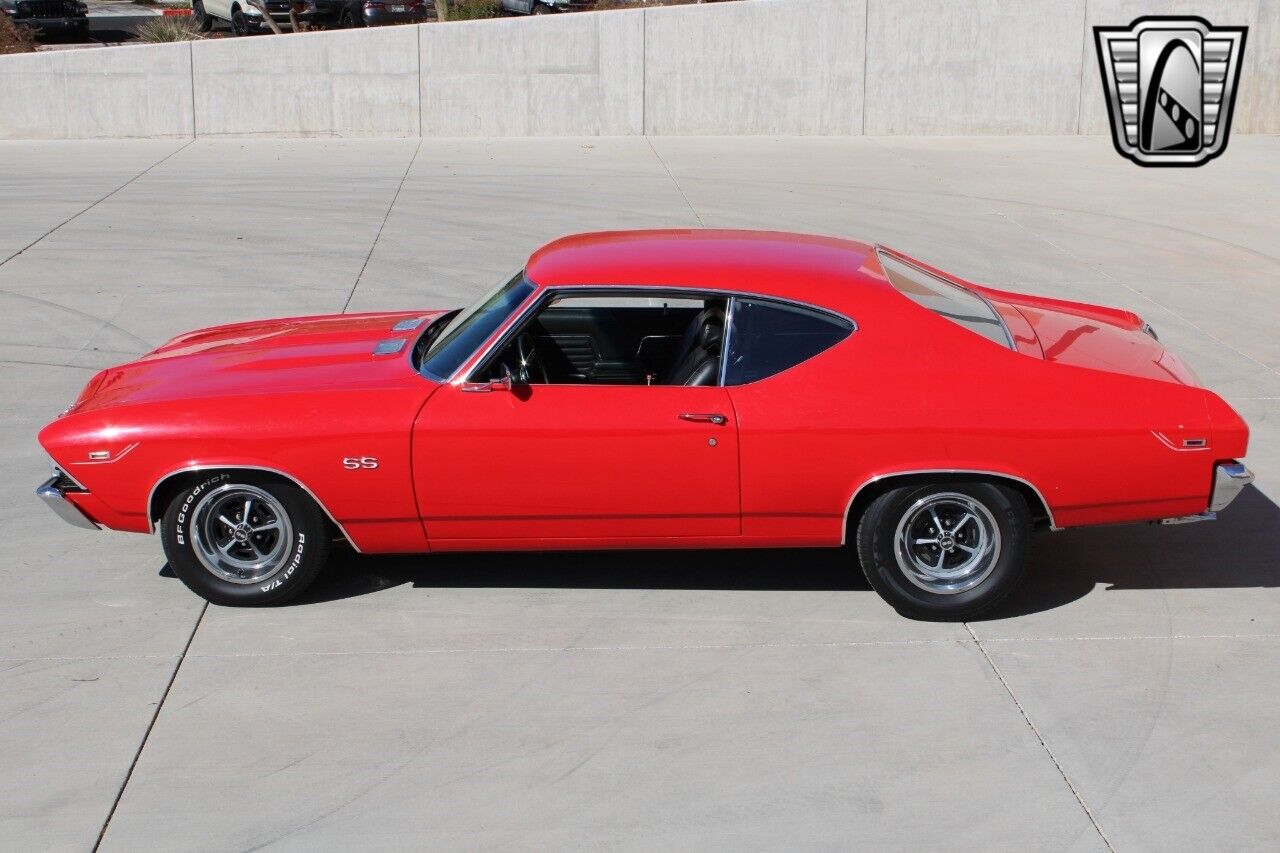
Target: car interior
x=618, y=340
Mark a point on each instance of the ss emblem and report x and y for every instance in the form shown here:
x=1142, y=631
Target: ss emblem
x=353, y=463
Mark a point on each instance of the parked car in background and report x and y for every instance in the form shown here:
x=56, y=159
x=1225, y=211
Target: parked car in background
x=245, y=18
x=660, y=389
x=377, y=13
x=48, y=17
x=242, y=17
x=543, y=7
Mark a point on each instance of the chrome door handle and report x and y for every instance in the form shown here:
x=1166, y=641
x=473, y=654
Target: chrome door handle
x=711, y=418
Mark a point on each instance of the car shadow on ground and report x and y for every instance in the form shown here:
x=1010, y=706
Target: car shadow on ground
x=1239, y=550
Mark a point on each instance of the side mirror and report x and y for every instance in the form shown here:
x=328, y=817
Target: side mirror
x=506, y=383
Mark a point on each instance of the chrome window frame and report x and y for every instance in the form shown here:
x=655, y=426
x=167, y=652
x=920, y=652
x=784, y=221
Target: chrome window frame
x=894, y=256
x=504, y=333
x=724, y=362
x=421, y=369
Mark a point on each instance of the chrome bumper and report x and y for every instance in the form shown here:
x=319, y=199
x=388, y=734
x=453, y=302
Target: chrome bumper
x=1229, y=480
x=55, y=498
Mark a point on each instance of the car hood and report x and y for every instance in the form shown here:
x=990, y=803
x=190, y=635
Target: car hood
x=262, y=357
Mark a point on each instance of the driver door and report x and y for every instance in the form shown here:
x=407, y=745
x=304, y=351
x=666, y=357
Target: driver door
x=566, y=465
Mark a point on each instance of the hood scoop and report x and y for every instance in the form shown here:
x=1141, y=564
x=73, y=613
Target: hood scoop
x=389, y=346
x=407, y=325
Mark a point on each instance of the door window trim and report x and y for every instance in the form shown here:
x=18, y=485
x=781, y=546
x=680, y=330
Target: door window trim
x=507, y=333
x=791, y=303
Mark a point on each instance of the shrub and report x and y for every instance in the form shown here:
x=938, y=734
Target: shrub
x=164, y=29
x=14, y=39
x=470, y=10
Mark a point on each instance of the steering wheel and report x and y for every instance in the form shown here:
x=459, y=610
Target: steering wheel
x=528, y=359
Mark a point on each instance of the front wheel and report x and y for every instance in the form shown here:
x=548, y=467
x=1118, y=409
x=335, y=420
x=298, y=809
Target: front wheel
x=239, y=22
x=240, y=541
x=203, y=22
x=944, y=551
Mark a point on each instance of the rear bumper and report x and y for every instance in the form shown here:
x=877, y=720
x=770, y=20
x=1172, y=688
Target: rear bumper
x=383, y=17
x=54, y=494
x=1229, y=480
x=53, y=25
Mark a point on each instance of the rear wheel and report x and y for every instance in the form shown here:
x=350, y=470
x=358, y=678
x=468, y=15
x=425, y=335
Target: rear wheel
x=236, y=540
x=348, y=20
x=944, y=551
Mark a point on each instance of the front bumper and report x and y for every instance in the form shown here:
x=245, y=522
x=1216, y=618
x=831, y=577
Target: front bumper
x=54, y=493
x=1229, y=480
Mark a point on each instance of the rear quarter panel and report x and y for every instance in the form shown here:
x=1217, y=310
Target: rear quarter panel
x=940, y=398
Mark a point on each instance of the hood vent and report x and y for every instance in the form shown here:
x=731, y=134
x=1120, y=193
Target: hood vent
x=390, y=346
x=407, y=325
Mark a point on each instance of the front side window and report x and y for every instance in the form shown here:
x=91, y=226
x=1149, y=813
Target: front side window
x=471, y=327
x=615, y=336
x=946, y=299
x=769, y=337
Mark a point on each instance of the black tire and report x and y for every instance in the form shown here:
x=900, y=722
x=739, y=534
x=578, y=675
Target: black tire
x=203, y=22
x=348, y=21
x=542, y=9
x=291, y=549
x=239, y=22
x=894, y=547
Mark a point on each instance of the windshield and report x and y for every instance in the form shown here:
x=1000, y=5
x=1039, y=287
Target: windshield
x=471, y=327
x=959, y=305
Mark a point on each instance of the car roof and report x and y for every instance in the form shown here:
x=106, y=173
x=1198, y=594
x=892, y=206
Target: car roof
x=820, y=270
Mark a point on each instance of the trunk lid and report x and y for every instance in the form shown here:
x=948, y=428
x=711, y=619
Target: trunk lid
x=1085, y=335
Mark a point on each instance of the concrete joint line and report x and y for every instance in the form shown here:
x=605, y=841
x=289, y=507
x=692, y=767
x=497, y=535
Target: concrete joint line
x=1084, y=65
x=1045, y=746
x=679, y=189
x=173, y=676
x=383, y=224
x=98, y=202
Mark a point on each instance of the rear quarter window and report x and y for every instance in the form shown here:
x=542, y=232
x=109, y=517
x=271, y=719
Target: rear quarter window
x=962, y=307
x=766, y=338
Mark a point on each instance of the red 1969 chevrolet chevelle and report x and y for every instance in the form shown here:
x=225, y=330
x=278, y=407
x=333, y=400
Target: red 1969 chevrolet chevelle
x=656, y=389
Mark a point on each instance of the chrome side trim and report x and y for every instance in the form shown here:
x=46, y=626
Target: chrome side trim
x=96, y=459
x=1229, y=480
x=151, y=528
x=914, y=471
x=54, y=498
x=1190, y=519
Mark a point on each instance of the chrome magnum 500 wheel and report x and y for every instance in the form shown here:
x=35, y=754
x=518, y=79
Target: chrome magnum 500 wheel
x=236, y=541
x=944, y=551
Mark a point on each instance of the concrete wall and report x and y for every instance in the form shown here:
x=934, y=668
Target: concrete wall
x=562, y=75
x=87, y=94
x=759, y=67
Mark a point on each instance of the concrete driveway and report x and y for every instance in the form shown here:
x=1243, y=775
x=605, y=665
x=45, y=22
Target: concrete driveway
x=1124, y=699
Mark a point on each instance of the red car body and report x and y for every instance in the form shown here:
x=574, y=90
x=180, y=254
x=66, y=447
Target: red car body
x=1088, y=415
